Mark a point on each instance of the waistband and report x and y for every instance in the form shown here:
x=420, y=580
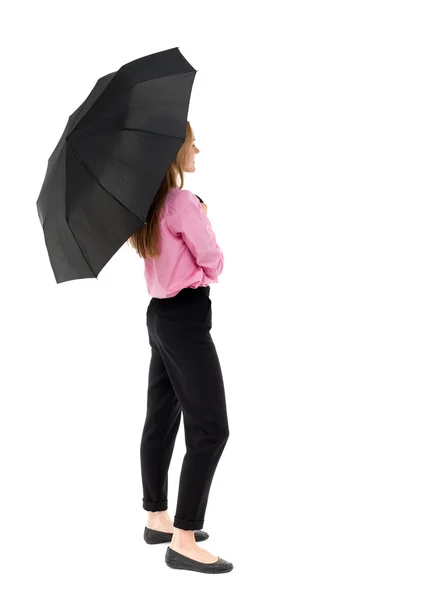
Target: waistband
x=186, y=294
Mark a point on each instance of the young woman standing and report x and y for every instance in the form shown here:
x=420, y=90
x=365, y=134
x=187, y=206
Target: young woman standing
x=181, y=258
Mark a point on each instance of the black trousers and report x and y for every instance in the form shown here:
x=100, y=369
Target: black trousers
x=184, y=378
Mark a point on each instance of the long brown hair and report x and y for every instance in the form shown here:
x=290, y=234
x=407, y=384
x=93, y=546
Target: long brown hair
x=146, y=239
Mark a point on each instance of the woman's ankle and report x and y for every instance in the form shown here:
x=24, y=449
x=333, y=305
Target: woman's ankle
x=158, y=516
x=182, y=537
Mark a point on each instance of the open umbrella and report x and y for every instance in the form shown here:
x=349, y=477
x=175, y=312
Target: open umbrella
x=113, y=155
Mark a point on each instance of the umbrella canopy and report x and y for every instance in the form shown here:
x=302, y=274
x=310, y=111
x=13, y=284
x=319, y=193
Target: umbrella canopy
x=113, y=155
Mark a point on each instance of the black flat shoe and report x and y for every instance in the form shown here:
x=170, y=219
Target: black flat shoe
x=152, y=536
x=175, y=560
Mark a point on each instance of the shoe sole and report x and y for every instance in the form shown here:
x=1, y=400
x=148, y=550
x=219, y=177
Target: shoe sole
x=175, y=560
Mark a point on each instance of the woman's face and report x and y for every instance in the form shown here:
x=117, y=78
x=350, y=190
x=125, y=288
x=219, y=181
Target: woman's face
x=190, y=165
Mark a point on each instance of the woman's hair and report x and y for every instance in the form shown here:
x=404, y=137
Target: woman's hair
x=146, y=239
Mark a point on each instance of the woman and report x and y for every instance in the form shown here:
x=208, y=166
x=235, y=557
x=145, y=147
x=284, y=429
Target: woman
x=181, y=258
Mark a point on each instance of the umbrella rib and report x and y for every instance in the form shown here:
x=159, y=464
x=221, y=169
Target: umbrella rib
x=164, y=76
x=175, y=137
x=81, y=250
x=118, y=159
x=107, y=191
x=98, y=182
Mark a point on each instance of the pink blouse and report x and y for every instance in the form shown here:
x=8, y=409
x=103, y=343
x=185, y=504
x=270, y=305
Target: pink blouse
x=190, y=255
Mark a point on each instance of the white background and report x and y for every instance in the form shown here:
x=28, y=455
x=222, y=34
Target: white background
x=309, y=120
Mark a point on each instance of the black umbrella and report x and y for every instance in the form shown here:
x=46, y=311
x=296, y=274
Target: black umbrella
x=107, y=167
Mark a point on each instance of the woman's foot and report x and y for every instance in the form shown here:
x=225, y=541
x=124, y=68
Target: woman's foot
x=160, y=521
x=183, y=542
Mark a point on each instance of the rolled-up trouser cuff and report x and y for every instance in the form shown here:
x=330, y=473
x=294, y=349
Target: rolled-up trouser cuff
x=188, y=524
x=154, y=506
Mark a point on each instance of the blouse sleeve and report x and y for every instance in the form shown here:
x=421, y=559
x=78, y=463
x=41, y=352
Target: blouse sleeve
x=192, y=222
